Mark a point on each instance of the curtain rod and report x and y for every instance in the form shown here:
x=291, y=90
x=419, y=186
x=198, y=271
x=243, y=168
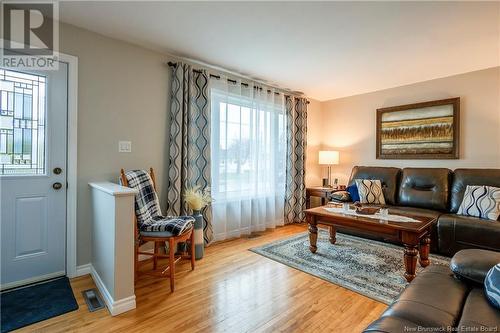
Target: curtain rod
x=174, y=65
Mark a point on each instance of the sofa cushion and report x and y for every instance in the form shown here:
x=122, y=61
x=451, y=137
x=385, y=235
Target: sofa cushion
x=414, y=210
x=389, y=177
x=473, y=264
x=425, y=188
x=457, y=232
x=478, y=315
x=463, y=177
x=433, y=299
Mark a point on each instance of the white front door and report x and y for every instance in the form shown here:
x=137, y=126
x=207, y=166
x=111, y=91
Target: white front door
x=33, y=140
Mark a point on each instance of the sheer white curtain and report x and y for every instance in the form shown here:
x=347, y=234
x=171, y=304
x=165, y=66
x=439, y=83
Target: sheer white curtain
x=248, y=156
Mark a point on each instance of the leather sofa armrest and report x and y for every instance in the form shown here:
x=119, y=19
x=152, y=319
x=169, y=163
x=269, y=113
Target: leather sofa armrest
x=473, y=264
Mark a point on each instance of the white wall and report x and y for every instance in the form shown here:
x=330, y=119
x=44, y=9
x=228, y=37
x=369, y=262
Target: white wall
x=348, y=124
x=123, y=94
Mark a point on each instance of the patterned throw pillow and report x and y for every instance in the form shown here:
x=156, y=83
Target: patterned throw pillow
x=370, y=191
x=492, y=286
x=481, y=201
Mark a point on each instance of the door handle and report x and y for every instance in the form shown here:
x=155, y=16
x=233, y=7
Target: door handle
x=57, y=186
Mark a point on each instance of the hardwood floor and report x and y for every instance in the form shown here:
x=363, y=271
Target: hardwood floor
x=231, y=289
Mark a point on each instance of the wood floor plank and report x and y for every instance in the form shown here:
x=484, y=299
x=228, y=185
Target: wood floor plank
x=231, y=290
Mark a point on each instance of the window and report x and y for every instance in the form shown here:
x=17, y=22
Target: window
x=22, y=123
x=248, y=147
x=248, y=156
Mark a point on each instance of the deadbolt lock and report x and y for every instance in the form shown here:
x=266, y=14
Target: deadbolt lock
x=57, y=171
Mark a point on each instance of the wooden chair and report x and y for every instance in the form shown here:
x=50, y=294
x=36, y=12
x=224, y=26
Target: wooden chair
x=159, y=239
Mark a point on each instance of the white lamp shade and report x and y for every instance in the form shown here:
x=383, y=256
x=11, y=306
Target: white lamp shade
x=328, y=157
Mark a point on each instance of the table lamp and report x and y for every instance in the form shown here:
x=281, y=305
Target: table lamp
x=329, y=158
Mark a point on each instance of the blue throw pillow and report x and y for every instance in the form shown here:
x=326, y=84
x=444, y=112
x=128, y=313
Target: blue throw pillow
x=353, y=192
x=492, y=286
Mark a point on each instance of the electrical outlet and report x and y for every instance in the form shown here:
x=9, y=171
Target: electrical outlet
x=124, y=146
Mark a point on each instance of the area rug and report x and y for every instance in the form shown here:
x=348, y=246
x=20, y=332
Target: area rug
x=31, y=304
x=368, y=267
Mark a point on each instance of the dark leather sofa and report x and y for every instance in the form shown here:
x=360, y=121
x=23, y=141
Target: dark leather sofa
x=437, y=192
x=438, y=301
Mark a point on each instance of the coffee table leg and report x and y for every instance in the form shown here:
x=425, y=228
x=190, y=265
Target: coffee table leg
x=313, y=234
x=333, y=234
x=425, y=245
x=410, y=259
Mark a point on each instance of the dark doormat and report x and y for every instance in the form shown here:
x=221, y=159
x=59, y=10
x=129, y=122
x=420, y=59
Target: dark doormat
x=28, y=305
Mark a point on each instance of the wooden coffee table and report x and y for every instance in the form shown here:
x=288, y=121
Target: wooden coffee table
x=415, y=236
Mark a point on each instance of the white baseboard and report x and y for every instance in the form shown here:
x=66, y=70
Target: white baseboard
x=114, y=307
x=123, y=305
x=83, y=269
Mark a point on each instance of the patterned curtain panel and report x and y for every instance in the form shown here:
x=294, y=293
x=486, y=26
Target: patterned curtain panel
x=295, y=192
x=189, y=140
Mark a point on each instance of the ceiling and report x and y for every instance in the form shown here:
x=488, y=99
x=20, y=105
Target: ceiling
x=325, y=49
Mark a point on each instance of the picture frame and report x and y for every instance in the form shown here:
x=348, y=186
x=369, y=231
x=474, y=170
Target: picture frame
x=427, y=130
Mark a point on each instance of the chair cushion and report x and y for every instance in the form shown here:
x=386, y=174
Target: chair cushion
x=425, y=188
x=175, y=225
x=481, y=201
x=463, y=177
x=389, y=178
x=492, y=286
x=156, y=234
x=474, y=264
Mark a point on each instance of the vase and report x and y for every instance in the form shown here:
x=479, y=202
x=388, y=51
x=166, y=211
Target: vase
x=199, y=243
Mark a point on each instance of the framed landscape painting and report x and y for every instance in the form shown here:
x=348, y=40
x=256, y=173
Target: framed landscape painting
x=428, y=130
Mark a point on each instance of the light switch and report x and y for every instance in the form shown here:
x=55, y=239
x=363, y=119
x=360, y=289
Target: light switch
x=124, y=146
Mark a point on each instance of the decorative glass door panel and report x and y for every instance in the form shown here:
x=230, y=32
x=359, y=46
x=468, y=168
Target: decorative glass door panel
x=22, y=123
